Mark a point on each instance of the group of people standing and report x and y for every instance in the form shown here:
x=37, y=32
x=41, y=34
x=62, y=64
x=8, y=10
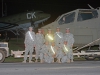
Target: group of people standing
x=49, y=46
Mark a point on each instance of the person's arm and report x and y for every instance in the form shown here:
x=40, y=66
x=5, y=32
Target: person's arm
x=26, y=38
x=62, y=35
x=72, y=40
x=34, y=38
x=42, y=49
x=43, y=38
x=54, y=37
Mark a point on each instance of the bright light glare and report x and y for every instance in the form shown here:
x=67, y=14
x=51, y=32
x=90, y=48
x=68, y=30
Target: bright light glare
x=52, y=50
x=50, y=37
x=65, y=48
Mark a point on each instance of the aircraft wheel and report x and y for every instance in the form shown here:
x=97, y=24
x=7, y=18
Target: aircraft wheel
x=2, y=56
x=90, y=58
x=99, y=58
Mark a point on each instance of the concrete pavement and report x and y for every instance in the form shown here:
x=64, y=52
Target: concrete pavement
x=75, y=68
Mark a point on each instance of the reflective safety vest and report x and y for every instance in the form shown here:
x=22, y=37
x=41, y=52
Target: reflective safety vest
x=58, y=35
x=52, y=50
x=30, y=35
x=65, y=48
x=51, y=38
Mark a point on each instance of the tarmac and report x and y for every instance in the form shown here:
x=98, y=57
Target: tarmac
x=75, y=68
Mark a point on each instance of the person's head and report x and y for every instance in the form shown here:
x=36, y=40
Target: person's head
x=30, y=28
x=42, y=31
x=49, y=31
x=39, y=30
x=58, y=29
x=67, y=30
x=65, y=42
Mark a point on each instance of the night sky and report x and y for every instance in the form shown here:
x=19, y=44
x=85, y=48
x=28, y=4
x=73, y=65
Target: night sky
x=53, y=7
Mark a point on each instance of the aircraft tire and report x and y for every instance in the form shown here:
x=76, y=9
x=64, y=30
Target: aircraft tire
x=99, y=58
x=2, y=56
x=90, y=58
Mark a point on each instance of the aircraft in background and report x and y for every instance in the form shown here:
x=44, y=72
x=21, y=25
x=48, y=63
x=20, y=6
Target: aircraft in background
x=16, y=23
x=83, y=23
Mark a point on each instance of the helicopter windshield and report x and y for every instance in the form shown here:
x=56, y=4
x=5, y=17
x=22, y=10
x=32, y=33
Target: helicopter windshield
x=57, y=18
x=87, y=14
x=68, y=18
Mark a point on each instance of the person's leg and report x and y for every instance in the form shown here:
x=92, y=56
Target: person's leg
x=53, y=57
x=68, y=57
x=58, y=58
x=41, y=57
x=37, y=54
x=46, y=57
x=26, y=53
x=71, y=57
x=50, y=60
x=64, y=59
x=61, y=55
x=30, y=55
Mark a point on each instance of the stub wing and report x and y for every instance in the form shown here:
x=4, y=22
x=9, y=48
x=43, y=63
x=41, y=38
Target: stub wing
x=6, y=26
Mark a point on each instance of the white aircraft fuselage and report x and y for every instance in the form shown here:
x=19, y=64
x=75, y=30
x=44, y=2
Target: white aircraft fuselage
x=84, y=24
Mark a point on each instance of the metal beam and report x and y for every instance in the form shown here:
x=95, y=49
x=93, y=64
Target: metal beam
x=2, y=8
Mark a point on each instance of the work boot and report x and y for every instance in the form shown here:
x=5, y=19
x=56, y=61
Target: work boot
x=68, y=61
x=53, y=61
x=71, y=60
x=41, y=61
x=36, y=61
x=24, y=62
x=30, y=61
x=59, y=61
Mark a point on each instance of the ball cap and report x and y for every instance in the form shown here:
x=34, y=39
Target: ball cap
x=39, y=29
x=58, y=27
x=67, y=28
x=49, y=29
x=30, y=27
